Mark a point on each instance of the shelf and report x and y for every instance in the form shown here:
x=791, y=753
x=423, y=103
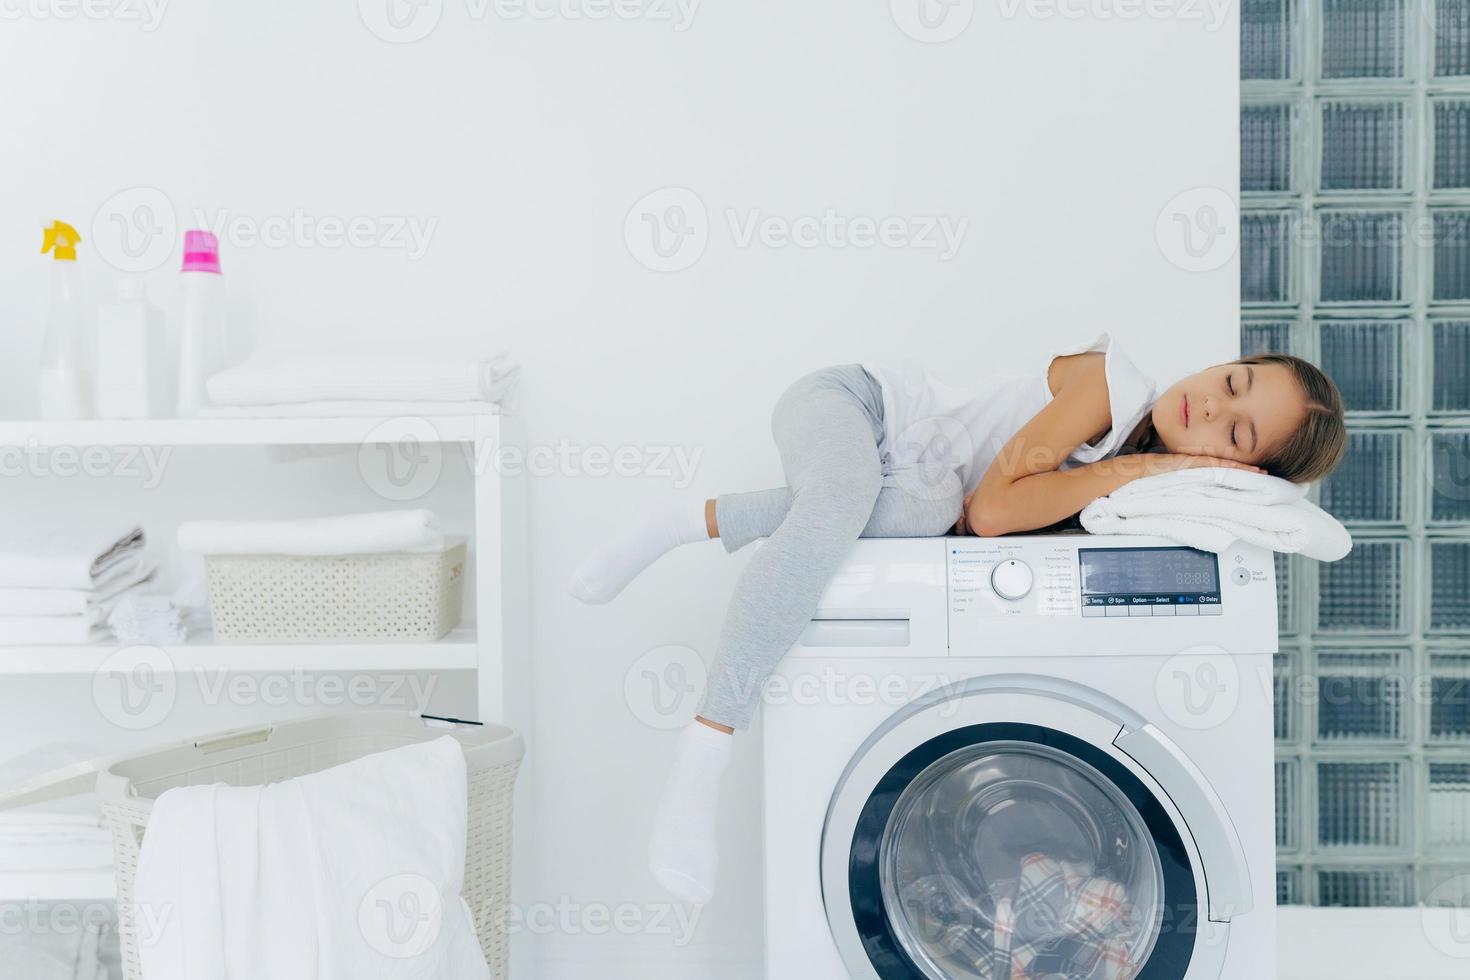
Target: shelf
x=457, y=651
x=245, y=432
x=57, y=886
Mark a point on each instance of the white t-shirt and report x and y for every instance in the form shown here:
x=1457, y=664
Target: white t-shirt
x=937, y=426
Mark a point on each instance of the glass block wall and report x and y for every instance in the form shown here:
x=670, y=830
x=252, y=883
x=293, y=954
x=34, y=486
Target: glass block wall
x=1355, y=253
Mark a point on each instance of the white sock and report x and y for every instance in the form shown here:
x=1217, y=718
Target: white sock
x=609, y=569
x=681, y=850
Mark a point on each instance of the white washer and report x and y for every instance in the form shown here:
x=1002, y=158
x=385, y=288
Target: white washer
x=964, y=708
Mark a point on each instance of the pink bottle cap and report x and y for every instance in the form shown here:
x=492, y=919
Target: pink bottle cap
x=201, y=252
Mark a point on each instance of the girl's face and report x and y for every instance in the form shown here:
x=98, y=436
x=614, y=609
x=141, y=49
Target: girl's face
x=1231, y=411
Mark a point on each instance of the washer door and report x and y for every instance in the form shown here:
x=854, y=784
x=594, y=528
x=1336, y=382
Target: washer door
x=965, y=849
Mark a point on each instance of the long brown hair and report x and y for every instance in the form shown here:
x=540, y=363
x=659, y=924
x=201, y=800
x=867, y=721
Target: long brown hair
x=1318, y=444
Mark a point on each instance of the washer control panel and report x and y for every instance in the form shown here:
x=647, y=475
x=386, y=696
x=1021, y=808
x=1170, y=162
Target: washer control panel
x=1073, y=576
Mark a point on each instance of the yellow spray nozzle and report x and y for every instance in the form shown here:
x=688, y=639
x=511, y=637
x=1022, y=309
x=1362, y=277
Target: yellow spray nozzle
x=61, y=239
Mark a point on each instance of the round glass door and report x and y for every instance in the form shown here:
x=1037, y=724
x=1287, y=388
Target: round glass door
x=1013, y=852
x=1009, y=858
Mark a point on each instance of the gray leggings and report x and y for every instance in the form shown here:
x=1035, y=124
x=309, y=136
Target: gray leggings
x=827, y=428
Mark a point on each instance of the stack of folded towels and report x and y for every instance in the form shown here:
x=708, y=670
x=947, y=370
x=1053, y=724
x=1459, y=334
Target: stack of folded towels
x=1211, y=507
x=61, y=590
x=60, y=836
x=285, y=382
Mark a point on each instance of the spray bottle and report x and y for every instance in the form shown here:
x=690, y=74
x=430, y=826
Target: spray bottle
x=66, y=355
x=202, y=333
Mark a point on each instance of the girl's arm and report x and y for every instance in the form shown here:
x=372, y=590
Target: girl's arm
x=1023, y=489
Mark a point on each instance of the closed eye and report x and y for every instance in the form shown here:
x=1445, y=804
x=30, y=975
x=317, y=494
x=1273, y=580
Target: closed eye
x=1230, y=384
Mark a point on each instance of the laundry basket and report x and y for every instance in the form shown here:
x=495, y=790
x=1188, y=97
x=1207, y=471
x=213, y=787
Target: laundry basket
x=127, y=788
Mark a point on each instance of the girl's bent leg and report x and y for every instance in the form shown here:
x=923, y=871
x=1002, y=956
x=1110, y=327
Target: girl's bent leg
x=830, y=455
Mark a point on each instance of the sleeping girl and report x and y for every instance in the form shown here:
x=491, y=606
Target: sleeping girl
x=884, y=450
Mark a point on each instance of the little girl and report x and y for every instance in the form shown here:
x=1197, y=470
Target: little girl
x=891, y=451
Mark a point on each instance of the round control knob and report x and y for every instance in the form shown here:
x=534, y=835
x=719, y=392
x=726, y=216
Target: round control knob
x=1011, y=579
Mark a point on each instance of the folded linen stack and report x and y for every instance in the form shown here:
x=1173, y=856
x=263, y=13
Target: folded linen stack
x=1213, y=506
x=147, y=619
x=60, y=590
x=59, y=836
x=378, y=532
x=281, y=382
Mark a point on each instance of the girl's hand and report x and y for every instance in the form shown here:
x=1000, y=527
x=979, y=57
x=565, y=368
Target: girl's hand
x=1156, y=463
x=962, y=526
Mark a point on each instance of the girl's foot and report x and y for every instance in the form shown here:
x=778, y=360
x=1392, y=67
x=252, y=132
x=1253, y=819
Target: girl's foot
x=681, y=852
x=609, y=569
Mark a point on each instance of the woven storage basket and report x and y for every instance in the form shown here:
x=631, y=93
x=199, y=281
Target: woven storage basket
x=127, y=788
x=409, y=595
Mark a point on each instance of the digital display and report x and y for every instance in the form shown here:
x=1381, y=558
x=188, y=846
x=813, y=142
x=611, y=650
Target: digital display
x=1149, y=576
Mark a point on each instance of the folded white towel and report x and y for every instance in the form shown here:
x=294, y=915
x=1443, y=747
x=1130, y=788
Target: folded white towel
x=50, y=630
x=119, y=581
x=349, y=409
x=350, y=873
x=65, y=560
x=285, y=375
x=1211, y=507
x=350, y=534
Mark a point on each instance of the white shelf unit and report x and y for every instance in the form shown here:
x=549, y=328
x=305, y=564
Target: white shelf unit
x=495, y=648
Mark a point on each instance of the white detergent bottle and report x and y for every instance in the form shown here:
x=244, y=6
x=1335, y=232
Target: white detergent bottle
x=66, y=355
x=128, y=354
x=202, y=348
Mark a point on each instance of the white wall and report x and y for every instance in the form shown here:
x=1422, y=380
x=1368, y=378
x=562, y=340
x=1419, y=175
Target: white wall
x=526, y=142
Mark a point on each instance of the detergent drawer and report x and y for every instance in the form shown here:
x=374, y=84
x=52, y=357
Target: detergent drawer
x=887, y=599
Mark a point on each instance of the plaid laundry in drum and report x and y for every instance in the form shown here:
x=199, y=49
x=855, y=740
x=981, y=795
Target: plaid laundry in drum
x=1062, y=924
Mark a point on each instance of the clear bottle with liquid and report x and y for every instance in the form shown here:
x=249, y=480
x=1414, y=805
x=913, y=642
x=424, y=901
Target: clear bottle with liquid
x=66, y=355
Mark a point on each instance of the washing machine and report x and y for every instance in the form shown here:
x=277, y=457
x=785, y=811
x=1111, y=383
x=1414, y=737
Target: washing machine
x=1028, y=756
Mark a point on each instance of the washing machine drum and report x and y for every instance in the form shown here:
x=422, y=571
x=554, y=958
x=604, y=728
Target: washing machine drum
x=1010, y=851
